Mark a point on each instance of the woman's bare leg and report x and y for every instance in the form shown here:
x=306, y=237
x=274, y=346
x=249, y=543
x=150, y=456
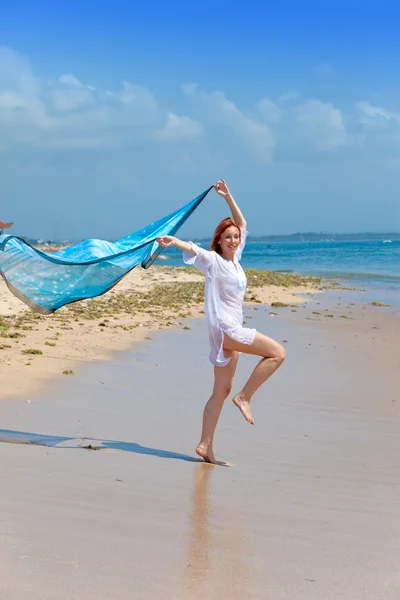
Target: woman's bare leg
x=223, y=377
x=273, y=356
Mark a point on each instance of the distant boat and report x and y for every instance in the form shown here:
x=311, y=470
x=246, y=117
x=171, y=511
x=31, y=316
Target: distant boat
x=387, y=241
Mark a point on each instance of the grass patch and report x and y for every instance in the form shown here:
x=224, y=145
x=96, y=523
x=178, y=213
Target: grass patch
x=12, y=335
x=377, y=303
x=279, y=304
x=257, y=278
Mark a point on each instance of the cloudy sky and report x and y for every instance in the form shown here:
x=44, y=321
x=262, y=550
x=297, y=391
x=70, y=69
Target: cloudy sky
x=113, y=115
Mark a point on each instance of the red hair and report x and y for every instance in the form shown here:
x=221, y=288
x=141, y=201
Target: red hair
x=223, y=226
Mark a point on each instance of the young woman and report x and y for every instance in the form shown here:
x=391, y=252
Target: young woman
x=225, y=286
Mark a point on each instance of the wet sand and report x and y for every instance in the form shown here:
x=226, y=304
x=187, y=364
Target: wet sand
x=309, y=510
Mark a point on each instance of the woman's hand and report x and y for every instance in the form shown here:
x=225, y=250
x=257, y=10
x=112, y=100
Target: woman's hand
x=222, y=189
x=166, y=241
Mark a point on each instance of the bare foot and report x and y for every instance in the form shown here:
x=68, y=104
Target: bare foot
x=244, y=406
x=206, y=452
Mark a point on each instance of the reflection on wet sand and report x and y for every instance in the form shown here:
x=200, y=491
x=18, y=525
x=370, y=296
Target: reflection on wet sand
x=216, y=565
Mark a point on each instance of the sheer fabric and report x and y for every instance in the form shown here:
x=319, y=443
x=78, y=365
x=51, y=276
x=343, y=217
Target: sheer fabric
x=225, y=287
x=46, y=281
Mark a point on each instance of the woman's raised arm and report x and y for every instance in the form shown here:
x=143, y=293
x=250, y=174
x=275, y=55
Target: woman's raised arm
x=222, y=189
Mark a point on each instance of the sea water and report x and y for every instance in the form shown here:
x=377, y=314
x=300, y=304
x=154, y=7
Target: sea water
x=373, y=265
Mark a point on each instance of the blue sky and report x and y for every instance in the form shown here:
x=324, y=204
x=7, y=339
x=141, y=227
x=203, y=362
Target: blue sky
x=112, y=115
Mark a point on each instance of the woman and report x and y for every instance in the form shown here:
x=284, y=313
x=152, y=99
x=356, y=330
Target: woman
x=225, y=286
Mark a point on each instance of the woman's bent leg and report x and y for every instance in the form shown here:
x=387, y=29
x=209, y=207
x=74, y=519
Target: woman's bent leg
x=273, y=356
x=223, y=377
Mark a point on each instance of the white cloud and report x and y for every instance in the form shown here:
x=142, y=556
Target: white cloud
x=64, y=100
x=322, y=124
x=221, y=111
x=374, y=112
x=179, y=129
x=16, y=73
x=71, y=80
x=269, y=111
x=67, y=112
x=379, y=131
x=299, y=124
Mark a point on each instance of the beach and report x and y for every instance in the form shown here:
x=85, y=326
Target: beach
x=103, y=497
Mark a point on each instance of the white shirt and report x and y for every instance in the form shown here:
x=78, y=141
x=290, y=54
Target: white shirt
x=225, y=287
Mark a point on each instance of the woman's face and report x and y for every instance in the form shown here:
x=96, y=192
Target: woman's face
x=229, y=241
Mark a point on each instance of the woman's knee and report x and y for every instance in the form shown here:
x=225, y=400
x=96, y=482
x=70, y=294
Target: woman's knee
x=223, y=391
x=280, y=354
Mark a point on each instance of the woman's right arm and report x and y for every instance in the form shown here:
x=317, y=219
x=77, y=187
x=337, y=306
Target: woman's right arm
x=222, y=189
x=199, y=258
x=169, y=240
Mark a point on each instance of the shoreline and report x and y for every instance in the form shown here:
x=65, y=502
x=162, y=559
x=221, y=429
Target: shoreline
x=36, y=349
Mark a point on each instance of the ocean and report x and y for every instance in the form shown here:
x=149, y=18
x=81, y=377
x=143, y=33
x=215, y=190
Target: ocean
x=373, y=265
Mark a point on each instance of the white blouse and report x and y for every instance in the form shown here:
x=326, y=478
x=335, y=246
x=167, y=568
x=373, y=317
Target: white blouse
x=225, y=287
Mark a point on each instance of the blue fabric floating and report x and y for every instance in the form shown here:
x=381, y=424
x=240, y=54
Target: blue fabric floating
x=46, y=281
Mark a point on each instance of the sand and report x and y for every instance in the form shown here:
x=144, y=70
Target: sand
x=308, y=511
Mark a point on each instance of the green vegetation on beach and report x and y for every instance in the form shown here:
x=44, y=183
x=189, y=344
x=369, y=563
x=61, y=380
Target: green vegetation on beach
x=164, y=301
x=258, y=278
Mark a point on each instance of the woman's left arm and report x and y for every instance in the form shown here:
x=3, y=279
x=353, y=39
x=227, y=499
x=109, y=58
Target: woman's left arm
x=222, y=189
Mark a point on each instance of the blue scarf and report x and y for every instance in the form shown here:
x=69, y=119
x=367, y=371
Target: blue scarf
x=46, y=281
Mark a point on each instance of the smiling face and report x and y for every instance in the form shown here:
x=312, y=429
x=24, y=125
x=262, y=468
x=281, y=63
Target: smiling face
x=229, y=242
